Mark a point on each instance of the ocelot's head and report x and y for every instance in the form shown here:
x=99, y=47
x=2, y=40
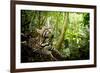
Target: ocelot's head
x=45, y=32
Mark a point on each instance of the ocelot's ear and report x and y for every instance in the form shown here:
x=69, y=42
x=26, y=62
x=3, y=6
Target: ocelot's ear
x=39, y=31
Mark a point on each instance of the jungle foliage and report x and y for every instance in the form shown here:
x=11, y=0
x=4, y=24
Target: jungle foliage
x=70, y=32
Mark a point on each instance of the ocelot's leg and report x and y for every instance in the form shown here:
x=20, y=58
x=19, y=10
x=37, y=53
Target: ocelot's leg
x=49, y=54
x=57, y=54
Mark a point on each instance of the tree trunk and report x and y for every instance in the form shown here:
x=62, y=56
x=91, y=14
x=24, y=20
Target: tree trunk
x=61, y=37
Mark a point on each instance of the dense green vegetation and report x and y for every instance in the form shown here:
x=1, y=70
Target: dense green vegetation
x=70, y=32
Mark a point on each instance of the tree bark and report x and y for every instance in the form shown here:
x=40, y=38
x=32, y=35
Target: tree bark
x=61, y=37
